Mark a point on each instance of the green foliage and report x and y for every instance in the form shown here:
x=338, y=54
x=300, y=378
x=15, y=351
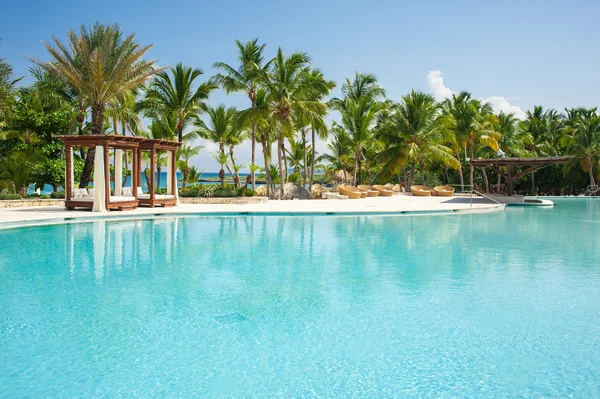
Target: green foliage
x=198, y=190
x=9, y=196
x=58, y=195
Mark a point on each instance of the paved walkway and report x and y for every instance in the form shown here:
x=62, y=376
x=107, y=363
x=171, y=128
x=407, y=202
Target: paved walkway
x=13, y=217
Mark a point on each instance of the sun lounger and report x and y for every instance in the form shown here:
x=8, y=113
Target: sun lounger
x=420, y=191
x=443, y=191
x=371, y=191
x=351, y=192
x=384, y=191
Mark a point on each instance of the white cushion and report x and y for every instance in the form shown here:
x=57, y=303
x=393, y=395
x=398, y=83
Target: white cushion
x=126, y=191
x=90, y=192
x=79, y=192
x=139, y=191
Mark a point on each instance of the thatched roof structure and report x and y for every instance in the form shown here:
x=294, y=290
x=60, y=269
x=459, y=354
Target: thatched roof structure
x=261, y=191
x=317, y=190
x=341, y=176
x=291, y=191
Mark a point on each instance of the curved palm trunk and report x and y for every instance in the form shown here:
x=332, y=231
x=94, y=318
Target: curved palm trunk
x=222, y=149
x=355, y=169
x=422, y=167
x=252, y=95
x=279, y=160
x=471, y=170
x=485, y=178
x=285, y=164
x=312, y=164
x=264, y=143
x=591, y=172
x=412, y=175
x=236, y=177
x=304, y=148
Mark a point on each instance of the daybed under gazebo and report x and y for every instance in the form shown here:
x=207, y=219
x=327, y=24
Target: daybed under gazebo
x=99, y=198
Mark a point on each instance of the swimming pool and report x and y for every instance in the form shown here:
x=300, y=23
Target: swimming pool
x=483, y=305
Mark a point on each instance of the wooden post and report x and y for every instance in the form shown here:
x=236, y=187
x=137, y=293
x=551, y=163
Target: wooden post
x=139, y=168
x=152, y=166
x=106, y=175
x=173, y=173
x=509, y=181
x=134, y=175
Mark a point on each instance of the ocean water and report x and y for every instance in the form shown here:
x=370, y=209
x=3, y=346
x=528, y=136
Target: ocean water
x=477, y=306
x=163, y=182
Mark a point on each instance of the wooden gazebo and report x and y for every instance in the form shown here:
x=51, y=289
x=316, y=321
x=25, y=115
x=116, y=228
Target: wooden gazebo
x=152, y=199
x=99, y=197
x=528, y=165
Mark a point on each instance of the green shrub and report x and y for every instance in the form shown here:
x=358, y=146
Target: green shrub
x=250, y=193
x=225, y=192
x=9, y=196
x=58, y=195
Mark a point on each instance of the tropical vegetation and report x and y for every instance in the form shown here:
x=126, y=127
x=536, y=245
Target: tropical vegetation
x=98, y=82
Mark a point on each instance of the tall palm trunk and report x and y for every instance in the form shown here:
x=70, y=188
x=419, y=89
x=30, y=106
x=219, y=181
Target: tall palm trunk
x=279, y=156
x=471, y=169
x=304, y=149
x=312, y=163
x=236, y=177
x=485, y=178
x=285, y=165
x=533, y=183
x=355, y=169
x=412, y=175
x=253, y=139
x=422, y=167
x=97, y=128
x=460, y=174
x=222, y=149
x=264, y=143
x=591, y=172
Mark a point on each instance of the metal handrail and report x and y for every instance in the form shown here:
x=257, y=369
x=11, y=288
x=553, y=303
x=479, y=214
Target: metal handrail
x=473, y=190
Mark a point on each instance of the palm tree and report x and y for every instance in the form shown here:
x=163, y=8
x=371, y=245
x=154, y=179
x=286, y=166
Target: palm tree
x=289, y=94
x=246, y=78
x=413, y=133
x=221, y=125
x=185, y=153
x=583, y=142
x=176, y=95
x=221, y=159
x=359, y=110
x=7, y=85
x=236, y=136
x=340, y=150
x=471, y=122
x=194, y=175
x=99, y=64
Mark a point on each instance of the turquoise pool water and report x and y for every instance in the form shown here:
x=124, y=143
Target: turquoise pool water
x=490, y=305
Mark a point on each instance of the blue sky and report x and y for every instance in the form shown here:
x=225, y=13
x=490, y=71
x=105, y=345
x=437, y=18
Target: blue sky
x=514, y=53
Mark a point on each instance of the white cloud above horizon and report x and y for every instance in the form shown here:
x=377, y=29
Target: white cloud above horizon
x=437, y=87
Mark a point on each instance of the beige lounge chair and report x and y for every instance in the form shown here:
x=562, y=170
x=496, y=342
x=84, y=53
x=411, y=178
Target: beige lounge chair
x=371, y=191
x=443, y=191
x=350, y=192
x=384, y=191
x=420, y=191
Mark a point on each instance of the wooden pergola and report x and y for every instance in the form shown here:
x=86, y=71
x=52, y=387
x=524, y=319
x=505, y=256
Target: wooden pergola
x=153, y=146
x=126, y=197
x=529, y=165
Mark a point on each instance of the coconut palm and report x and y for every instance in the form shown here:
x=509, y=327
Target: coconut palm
x=7, y=85
x=221, y=124
x=583, y=142
x=221, y=159
x=100, y=64
x=340, y=152
x=471, y=123
x=246, y=77
x=174, y=93
x=194, y=175
x=289, y=94
x=413, y=133
x=185, y=153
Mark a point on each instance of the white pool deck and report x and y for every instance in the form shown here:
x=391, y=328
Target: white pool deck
x=398, y=204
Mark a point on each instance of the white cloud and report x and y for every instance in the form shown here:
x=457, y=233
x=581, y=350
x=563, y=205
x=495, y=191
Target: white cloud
x=435, y=81
x=501, y=104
